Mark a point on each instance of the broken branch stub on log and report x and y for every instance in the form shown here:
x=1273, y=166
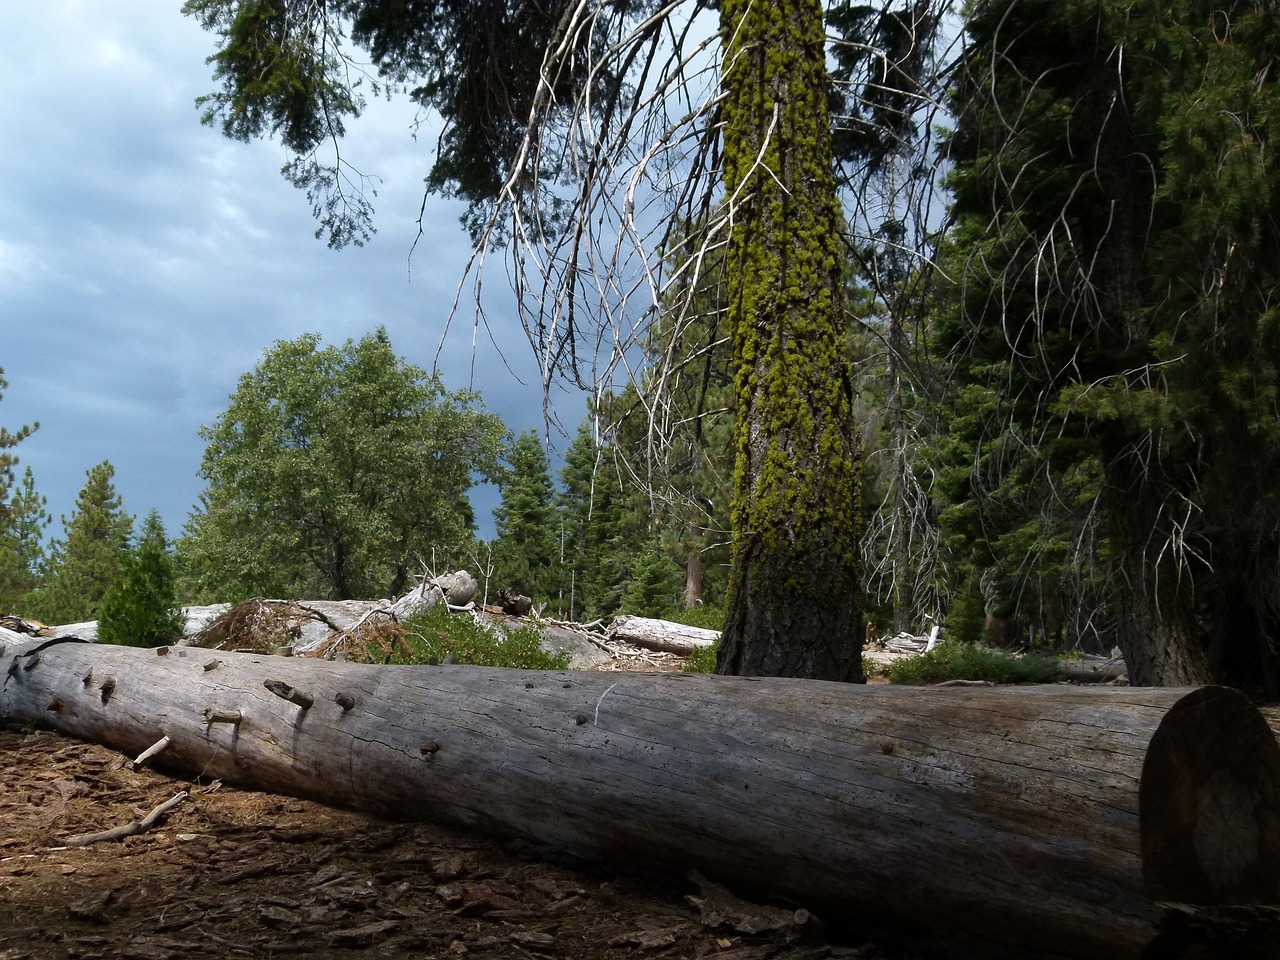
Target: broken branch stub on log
x=1007, y=812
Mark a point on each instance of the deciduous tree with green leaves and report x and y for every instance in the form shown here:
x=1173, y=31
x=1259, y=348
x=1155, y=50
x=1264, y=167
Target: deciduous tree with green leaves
x=333, y=472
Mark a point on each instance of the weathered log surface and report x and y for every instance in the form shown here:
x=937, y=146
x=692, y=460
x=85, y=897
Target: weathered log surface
x=1012, y=813
x=660, y=634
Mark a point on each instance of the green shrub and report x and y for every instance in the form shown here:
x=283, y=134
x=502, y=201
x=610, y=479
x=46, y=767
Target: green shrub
x=968, y=661
x=708, y=618
x=438, y=635
x=703, y=659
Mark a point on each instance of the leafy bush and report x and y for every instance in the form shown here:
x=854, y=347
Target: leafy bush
x=703, y=659
x=968, y=661
x=438, y=635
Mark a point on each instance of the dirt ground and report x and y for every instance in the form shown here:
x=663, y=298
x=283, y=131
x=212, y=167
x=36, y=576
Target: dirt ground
x=239, y=874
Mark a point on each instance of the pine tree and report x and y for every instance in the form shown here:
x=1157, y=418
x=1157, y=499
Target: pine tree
x=653, y=586
x=1118, y=207
x=81, y=567
x=795, y=581
x=141, y=608
x=22, y=520
x=590, y=505
x=21, y=541
x=527, y=552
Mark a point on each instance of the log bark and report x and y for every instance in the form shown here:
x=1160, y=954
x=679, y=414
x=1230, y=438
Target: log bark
x=660, y=634
x=1052, y=817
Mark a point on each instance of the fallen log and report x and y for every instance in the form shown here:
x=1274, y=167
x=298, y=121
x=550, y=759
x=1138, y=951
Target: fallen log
x=1093, y=670
x=661, y=635
x=1059, y=818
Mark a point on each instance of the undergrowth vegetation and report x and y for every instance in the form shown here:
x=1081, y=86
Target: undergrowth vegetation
x=702, y=659
x=969, y=661
x=439, y=636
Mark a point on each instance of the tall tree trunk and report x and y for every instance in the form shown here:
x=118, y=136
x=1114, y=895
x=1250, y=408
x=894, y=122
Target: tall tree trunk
x=794, y=585
x=1158, y=631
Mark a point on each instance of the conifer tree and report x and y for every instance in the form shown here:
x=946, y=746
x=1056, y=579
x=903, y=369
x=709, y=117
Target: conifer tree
x=590, y=506
x=21, y=542
x=653, y=585
x=141, y=608
x=88, y=560
x=527, y=552
x=22, y=520
x=1118, y=208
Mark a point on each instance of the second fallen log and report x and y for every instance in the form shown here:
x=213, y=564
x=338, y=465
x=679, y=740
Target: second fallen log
x=661, y=635
x=1013, y=813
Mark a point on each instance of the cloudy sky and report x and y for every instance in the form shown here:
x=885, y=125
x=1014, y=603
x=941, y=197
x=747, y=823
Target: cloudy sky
x=146, y=262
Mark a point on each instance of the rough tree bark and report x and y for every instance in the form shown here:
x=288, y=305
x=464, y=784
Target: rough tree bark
x=1158, y=629
x=1013, y=813
x=794, y=583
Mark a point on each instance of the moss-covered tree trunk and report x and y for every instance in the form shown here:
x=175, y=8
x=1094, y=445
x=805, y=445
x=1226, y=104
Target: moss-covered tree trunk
x=793, y=594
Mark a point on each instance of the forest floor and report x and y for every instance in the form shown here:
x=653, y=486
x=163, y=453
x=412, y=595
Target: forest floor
x=230, y=873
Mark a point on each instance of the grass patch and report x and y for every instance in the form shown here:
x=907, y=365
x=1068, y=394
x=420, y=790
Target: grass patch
x=968, y=661
x=438, y=636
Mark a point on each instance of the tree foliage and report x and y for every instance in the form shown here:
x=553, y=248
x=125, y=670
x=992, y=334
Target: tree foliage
x=527, y=554
x=336, y=471
x=591, y=506
x=653, y=588
x=288, y=69
x=82, y=566
x=141, y=608
x=1115, y=189
x=22, y=519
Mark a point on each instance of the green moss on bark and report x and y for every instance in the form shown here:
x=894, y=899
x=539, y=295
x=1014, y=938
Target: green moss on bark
x=793, y=606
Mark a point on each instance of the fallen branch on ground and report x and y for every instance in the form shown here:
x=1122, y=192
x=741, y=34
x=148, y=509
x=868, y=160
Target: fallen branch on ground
x=128, y=829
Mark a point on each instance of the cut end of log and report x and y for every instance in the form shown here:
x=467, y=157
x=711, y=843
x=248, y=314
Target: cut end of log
x=1209, y=803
